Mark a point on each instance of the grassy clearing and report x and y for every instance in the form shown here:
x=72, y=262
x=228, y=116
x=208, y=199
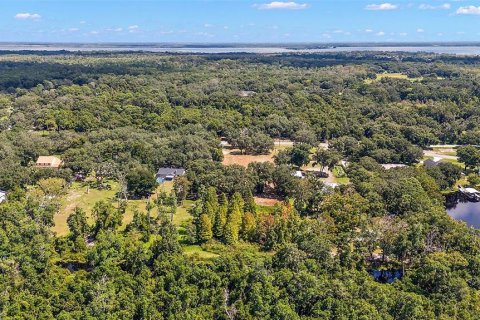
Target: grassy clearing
x=455, y=162
x=343, y=180
x=251, y=249
x=445, y=151
x=340, y=175
x=79, y=195
x=402, y=76
x=196, y=252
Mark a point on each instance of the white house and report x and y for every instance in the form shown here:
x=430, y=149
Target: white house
x=3, y=196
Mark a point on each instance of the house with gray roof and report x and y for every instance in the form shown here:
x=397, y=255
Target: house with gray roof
x=168, y=174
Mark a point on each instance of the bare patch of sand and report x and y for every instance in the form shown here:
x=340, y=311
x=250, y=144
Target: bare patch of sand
x=233, y=156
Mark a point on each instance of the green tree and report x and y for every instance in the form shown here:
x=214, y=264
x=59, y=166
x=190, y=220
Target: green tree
x=234, y=219
x=473, y=179
x=469, y=155
x=106, y=217
x=248, y=227
x=181, y=185
x=140, y=183
x=250, y=205
x=205, y=228
x=221, y=218
x=77, y=224
x=327, y=158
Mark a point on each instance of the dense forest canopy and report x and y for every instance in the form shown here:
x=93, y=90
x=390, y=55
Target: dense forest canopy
x=116, y=118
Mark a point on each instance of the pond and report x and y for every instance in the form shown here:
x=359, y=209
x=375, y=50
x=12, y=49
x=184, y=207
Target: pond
x=460, y=208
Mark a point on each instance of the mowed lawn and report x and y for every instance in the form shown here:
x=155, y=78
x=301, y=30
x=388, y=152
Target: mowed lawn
x=77, y=196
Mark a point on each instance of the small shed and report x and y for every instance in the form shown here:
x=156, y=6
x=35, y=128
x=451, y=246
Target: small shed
x=168, y=174
x=3, y=196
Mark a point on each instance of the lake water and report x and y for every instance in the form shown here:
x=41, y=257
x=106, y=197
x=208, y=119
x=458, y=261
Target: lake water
x=461, y=209
x=456, y=50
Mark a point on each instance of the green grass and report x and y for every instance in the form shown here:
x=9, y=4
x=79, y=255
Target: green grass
x=77, y=196
x=340, y=175
x=182, y=216
x=402, y=76
x=265, y=209
x=343, y=180
x=197, y=252
x=445, y=151
x=456, y=162
x=338, y=172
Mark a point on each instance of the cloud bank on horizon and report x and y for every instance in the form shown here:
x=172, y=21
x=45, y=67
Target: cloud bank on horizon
x=239, y=21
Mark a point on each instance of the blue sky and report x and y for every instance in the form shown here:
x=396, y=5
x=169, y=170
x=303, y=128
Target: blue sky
x=211, y=21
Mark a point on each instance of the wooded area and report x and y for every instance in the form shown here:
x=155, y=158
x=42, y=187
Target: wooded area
x=377, y=245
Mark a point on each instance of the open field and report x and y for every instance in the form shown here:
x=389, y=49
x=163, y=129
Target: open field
x=381, y=76
x=77, y=196
x=233, y=156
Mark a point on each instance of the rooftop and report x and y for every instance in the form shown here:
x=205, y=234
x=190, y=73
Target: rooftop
x=170, y=171
x=49, y=160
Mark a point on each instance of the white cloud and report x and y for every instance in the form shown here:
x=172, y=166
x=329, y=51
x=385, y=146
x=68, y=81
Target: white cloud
x=208, y=25
x=381, y=7
x=468, y=10
x=28, y=16
x=420, y=30
x=444, y=6
x=94, y=32
x=368, y=30
x=115, y=29
x=380, y=34
x=73, y=29
x=133, y=28
x=281, y=5
x=339, y=31
x=403, y=34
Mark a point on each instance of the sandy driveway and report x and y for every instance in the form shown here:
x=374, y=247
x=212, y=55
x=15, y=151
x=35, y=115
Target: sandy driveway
x=435, y=154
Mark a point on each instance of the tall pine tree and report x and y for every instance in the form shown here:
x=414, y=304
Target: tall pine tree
x=221, y=218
